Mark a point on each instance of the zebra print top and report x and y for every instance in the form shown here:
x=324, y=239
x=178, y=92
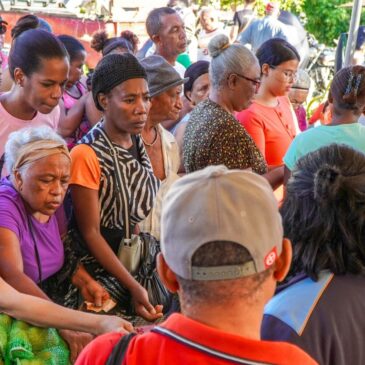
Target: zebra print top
x=140, y=182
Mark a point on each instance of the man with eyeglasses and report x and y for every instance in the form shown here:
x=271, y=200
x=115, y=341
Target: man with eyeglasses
x=261, y=30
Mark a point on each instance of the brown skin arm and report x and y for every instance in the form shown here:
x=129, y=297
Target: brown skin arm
x=70, y=121
x=11, y=269
x=86, y=206
x=287, y=174
x=93, y=114
x=11, y=265
x=275, y=176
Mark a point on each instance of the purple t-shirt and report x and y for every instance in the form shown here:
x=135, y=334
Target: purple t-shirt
x=13, y=216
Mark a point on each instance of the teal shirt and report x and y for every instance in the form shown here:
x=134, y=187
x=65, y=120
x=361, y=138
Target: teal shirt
x=312, y=139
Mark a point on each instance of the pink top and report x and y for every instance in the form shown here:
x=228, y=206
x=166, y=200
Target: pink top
x=69, y=100
x=9, y=123
x=4, y=60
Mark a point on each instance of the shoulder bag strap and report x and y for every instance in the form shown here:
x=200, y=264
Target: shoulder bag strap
x=121, y=185
x=120, y=350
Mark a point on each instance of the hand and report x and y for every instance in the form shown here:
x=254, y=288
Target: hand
x=90, y=289
x=76, y=342
x=142, y=305
x=113, y=324
x=93, y=292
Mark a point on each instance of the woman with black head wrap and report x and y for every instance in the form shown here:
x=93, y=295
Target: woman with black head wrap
x=120, y=91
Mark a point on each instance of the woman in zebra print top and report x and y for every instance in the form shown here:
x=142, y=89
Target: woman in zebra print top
x=120, y=90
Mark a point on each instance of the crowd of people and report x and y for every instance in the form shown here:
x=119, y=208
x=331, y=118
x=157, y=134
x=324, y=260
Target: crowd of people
x=188, y=197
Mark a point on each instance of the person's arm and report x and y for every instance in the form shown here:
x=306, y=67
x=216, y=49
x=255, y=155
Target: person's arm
x=32, y=309
x=86, y=206
x=11, y=269
x=275, y=176
x=179, y=136
x=93, y=114
x=71, y=120
x=287, y=174
x=11, y=265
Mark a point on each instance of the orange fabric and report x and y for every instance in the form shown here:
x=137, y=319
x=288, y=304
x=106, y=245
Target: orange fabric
x=324, y=117
x=153, y=348
x=272, y=129
x=85, y=168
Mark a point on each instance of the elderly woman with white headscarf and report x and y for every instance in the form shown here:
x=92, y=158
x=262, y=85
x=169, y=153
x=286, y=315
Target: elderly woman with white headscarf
x=31, y=200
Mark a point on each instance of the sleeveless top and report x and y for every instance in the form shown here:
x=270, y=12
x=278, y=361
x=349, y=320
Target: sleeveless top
x=141, y=183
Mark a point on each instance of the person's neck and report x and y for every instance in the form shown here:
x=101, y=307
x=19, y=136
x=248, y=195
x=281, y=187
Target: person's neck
x=14, y=103
x=149, y=130
x=266, y=97
x=344, y=118
x=221, y=98
x=168, y=57
x=242, y=319
x=122, y=139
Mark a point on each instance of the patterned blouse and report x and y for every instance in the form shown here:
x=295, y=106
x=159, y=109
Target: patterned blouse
x=213, y=137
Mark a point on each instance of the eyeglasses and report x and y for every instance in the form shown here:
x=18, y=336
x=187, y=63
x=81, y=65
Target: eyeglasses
x=289, y=75
x=255, y=83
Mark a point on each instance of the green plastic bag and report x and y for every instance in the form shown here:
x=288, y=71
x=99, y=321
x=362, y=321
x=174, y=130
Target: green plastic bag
x=5, y=326
x=24, y=344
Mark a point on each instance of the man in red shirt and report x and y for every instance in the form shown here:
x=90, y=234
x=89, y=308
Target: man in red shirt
x=223, y=253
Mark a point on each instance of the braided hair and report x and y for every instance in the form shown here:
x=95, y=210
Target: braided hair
x=348, y=89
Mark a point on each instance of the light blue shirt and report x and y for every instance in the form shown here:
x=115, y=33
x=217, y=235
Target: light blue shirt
x=261, y=30
x=312, y=139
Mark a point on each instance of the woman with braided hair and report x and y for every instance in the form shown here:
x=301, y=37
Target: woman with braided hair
x=321, y=309
x=347, y=95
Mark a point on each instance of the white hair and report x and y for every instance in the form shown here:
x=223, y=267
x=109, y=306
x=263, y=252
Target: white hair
x=23, y=136
x=227, y=59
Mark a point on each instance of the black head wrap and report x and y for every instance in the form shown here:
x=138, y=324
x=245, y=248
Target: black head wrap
x=113, y=70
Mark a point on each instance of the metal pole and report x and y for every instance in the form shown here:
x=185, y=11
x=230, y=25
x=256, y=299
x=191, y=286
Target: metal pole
x=354, y=29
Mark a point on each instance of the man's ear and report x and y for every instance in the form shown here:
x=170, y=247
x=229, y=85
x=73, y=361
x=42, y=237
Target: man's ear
x=283, y=262
x=167, y=276
x=156, y=39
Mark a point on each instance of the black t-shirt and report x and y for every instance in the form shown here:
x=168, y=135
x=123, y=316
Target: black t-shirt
x=242, y=17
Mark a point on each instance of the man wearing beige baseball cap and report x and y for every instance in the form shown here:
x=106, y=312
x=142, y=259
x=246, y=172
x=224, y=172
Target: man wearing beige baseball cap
x=223, y=253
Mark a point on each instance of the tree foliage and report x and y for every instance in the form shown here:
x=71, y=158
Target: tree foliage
x=325, y=19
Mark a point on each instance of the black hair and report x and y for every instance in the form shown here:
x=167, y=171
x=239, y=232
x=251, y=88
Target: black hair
x=324, y=212
x=348, y=89
x=131, y=38
x=101, y=43
x=220, y=253
x=276, y=51
x=72, y=45
x=30, y=47
x=153, y=21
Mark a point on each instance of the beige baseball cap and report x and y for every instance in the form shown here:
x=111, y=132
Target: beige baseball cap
x=218, y=204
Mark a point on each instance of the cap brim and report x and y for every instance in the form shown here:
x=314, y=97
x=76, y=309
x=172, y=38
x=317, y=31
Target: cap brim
x=169, y=86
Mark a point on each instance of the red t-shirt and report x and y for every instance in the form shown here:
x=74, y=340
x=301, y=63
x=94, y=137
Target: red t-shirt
x=155, y=348
x=272, y=129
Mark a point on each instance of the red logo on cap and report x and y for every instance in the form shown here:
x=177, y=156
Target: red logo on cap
x=270, y=258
